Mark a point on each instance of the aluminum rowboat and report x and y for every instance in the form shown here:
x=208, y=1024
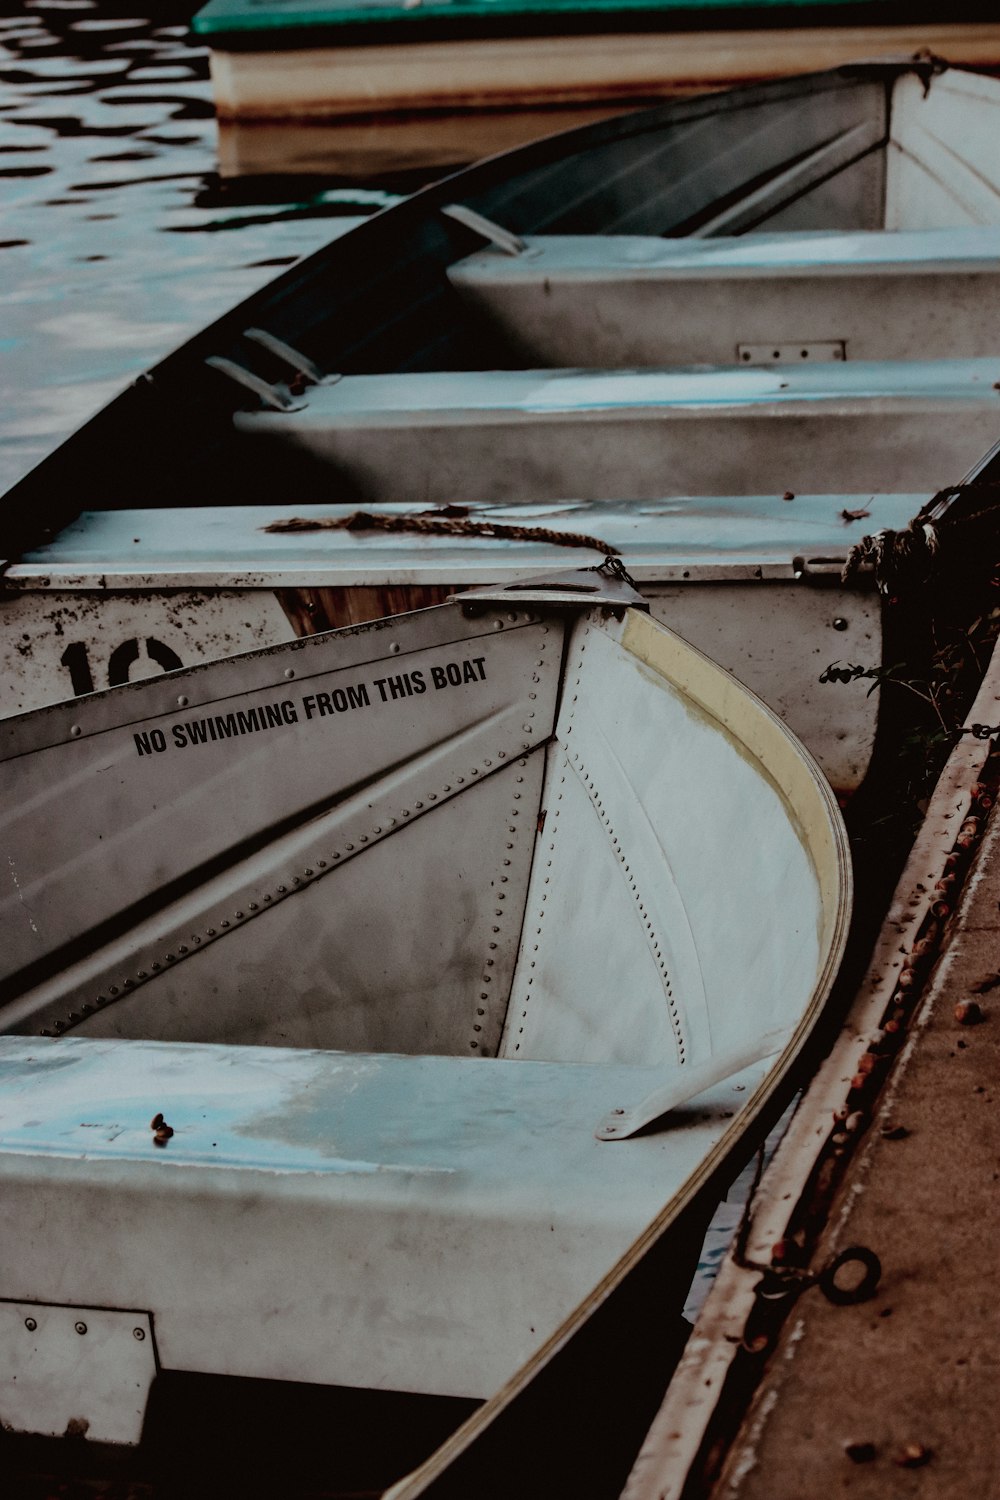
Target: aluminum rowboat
x=383, y=991
x=715, y=330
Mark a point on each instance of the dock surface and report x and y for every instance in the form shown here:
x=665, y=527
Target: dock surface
x=897, y=1395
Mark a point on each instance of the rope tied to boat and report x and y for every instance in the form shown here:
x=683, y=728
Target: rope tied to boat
x=907, y=559
x=900, y=559
x=436, y=524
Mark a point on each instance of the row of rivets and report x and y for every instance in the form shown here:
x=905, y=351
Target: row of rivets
x=128, y=984
x=489, y=963
x=540, y=915
x=651, y=937
x=156, y=966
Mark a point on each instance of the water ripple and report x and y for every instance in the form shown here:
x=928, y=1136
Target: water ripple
x=112, y=253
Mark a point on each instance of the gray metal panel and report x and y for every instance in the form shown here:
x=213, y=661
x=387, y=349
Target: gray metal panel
x=942, y=162
x=534, y=435
x=229, y=546
x=638, y=945
x=145, y=823
x=618, y=302
x=77, y=1372
x=853, y=198
x=404, y=1223
x=671, y=182
x=776, y=639
x=409, y=947
x=784, y=190
x=55, y=644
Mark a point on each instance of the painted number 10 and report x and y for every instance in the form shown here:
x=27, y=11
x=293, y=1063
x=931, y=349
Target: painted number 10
x=77, y=662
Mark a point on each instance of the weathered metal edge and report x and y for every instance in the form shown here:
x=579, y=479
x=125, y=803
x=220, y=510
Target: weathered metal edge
x=671, y=648
x=677, y=1437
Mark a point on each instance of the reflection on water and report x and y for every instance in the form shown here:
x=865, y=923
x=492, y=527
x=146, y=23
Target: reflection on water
x=110, y=250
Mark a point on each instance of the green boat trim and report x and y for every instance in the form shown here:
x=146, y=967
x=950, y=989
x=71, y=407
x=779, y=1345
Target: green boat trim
x=236, y=23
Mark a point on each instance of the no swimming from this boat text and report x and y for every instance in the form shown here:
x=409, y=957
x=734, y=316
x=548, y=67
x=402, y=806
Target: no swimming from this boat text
x=278, y=714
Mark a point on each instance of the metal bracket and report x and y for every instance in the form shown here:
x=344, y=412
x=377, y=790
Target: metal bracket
x=805, y=353
x=503, y=239
x=607, y=584
x=83, y=1371
x=277, y=397
x=821, y=572
x=300, y=363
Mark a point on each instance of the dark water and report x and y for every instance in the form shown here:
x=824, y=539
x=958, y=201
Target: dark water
x=117, y=236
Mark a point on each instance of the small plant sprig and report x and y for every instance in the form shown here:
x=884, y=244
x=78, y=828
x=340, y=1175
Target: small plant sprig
x=949, y=666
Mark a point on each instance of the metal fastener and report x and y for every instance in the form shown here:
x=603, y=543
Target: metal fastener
x=914, y=1456
x=80, y=1327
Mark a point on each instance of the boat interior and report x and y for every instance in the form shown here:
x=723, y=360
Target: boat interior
x=698, y=312
x=786, y=254
x=547, y=435
x=753, y=581
x=501, y=1089
x=845, y=288
x=438, y=902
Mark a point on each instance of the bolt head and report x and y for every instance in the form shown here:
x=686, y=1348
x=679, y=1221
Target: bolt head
x=914, y=1456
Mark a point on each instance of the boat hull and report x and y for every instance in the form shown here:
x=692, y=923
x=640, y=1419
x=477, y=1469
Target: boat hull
x=97, y=608
x=456, y=81
x=322, y=970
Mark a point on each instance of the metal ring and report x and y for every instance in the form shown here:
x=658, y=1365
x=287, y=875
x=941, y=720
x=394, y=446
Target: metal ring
x=866, y=1287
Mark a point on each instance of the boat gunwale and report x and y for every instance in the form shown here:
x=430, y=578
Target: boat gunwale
x=758, y=1108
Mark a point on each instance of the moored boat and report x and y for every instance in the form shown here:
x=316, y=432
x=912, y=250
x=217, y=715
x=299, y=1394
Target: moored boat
x=753, y=581
x=442, y=82
x=383, y=990
x=781, y=292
